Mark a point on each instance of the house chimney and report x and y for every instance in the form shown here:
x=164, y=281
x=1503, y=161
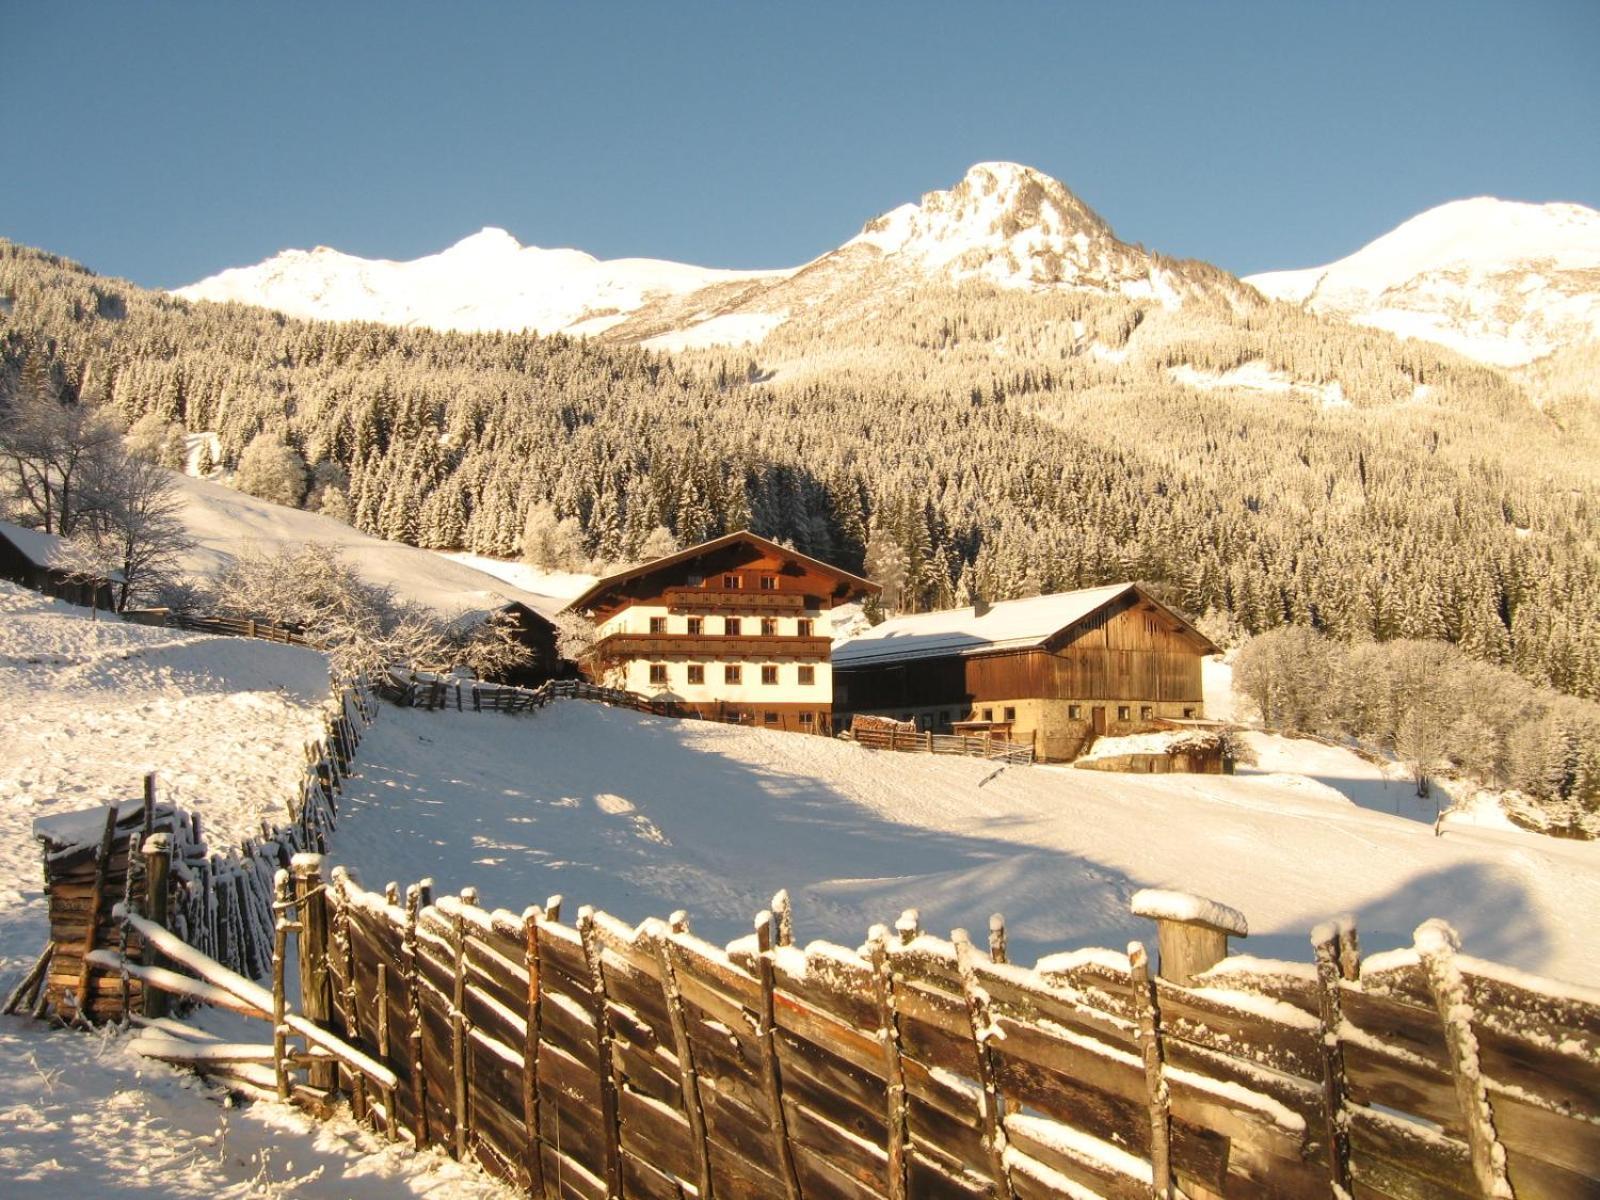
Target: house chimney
x=980, y=606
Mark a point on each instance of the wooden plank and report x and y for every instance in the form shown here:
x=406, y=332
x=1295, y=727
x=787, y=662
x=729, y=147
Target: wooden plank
x=1151, y=1018
x=609, y=1111
x=771, y=1076
x=688, y=1075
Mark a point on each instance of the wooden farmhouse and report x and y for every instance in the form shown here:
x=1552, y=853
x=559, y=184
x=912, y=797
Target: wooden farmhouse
x=34, y=560
x=1052, y=670
x=734, y=629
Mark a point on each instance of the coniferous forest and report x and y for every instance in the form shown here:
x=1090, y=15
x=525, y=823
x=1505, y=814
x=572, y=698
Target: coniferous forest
x=952, y=441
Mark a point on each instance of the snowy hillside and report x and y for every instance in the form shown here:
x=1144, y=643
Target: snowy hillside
x=1003, y=223
x=221, y=520
x=86, y=707
x=643, y=815
x=1499, y=281
x=485, y=282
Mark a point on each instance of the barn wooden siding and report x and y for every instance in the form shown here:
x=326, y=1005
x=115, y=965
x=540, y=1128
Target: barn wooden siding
x=1121, y=653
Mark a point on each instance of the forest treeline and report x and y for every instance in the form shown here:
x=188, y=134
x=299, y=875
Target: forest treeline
x=953, y=442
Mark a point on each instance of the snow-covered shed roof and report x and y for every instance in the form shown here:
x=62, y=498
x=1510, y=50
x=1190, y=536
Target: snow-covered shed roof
x=41, y=549
x=1009, y=625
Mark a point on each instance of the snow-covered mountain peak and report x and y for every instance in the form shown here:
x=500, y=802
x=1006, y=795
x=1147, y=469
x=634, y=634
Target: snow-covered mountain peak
x=1014, y=226
x=490, y=241
x=1501, y=281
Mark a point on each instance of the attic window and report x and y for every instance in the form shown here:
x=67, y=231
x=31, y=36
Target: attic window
x=769, y=583
x=696, y=580
x=733, y=582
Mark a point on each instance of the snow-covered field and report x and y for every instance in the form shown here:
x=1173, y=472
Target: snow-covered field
x=641, y=815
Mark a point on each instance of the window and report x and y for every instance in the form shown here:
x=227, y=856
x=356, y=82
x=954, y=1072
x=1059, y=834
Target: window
x=658, y=673
x=771, y=718
x=769, y=674
x=807, y=721
x=1124, y=712
x=1074, y=712
x=1145, y=712
x=733, y=582
x=697, y=673
x=769, y=627
x=944, y=717
x=697, y=626
x=803, y=627
x=1011, y=713
x=730, y=626
x=697, y=580
x=658, y=624
x=732, y=673
x=988, y=714
x=808, y=676
x=1188, y=712
x=769, y=583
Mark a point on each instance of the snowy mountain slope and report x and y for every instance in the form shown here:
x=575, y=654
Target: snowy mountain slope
x=1499, y=281
x=1003, y=223
x=485, y=282
x=642, y=815
x=221, y=520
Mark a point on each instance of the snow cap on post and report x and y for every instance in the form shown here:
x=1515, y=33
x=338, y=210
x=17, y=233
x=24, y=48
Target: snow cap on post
x=1192, y=930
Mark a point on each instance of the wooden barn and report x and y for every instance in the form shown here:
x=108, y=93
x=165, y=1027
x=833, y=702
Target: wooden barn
x=1054, y=670
x=33, y=559
x=735, y=629
x=529, y=628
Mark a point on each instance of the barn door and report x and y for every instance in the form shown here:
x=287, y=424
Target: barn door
x=1099, y=718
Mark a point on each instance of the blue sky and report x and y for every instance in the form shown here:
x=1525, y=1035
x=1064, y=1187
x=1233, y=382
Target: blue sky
x=165, y=141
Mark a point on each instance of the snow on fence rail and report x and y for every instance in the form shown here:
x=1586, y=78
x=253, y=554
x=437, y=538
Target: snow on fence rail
x=591, y=1058
x=217, y=901
x=924, y=742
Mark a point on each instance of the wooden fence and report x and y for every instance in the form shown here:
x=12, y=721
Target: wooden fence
x=925, y=742
x=237, y=627
x=217, y=901
x=590, y=1058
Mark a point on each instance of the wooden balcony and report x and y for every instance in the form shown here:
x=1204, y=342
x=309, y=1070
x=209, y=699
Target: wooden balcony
x=694, y=599
x=711, y=647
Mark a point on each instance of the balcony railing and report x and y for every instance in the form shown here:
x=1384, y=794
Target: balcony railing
x=710, y=646
x=688, y=599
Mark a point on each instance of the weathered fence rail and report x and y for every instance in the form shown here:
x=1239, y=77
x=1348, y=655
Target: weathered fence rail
x=218, y=901
x=913, y=741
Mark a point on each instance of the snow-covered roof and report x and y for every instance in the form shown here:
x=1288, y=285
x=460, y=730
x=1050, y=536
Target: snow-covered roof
x=1009, y=625
x=41, y=549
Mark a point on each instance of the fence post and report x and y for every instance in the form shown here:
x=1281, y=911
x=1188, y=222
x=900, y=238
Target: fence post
x=688, y=1077
x=610, y=1119
x=280, y=945
x=978, y=1015
x=419, y=1084
x=458, y=1031
x=1437, y=943
x=1145, y=1005
x=997, y=938
x=530, y=1054
x=102, y=868
x=1325, y=939
x=770, y=1077
x=1192, y=931
x=894, y=1070
x=157, y=850
x=316, y=988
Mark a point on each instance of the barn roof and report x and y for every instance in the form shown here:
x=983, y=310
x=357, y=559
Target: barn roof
x=602, y=586
x=44, y=550
x=1009, y=625
x=41, y=549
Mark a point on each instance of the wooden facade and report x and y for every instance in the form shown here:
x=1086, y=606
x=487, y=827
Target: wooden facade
x=538, y=633
x=735, y=629
x=23, y=560
x=1128, y=662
